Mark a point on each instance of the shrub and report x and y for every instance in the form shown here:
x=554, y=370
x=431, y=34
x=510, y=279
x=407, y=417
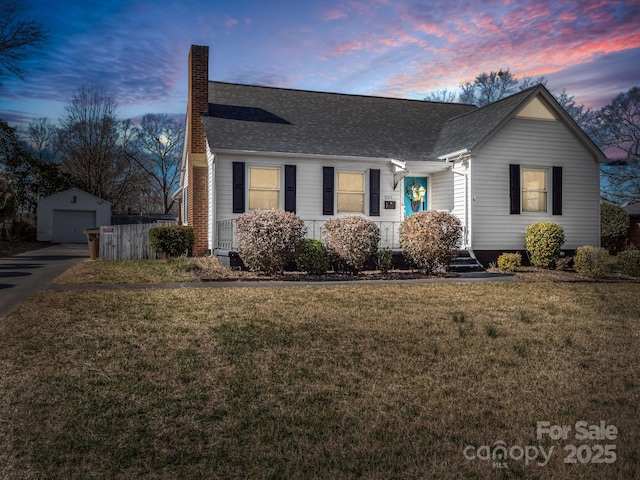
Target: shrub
x=351, y=241
x=172, y=241
x=614, y=224
x=430, y=240
x=312, y=257
x=629, y=262
x=591, y=261
x=268, y=239
x=544, y=240
x=385, y=259
x=509, y=262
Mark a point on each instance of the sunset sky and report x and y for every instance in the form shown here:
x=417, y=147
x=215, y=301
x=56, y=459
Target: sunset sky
x=138, y=50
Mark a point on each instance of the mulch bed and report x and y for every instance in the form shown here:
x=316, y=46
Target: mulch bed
x=328, y=277
x=524, y=274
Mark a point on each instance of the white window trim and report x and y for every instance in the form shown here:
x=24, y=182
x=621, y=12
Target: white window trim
x=365, y=203
x=546, y=171
x=248, y=188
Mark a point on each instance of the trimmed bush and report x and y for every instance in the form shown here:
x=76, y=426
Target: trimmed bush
x=312, y=257
x=614, y=225
x=509, y=262
x=544, y=241
x=629, y=262
x=172, y=241
x=385, y=259
x=591, y=261
x=351, y=241
x=430, y=240
x=268, y=239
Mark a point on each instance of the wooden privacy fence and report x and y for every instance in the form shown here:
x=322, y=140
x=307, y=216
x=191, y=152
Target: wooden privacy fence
x=128, y=242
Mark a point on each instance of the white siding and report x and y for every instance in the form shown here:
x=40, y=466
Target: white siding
x=442, y=194
x=309, y=184
x=461, y=186
x=542, y=144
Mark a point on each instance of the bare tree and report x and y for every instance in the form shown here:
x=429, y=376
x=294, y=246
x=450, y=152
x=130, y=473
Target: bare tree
x=42, y=137
x=443, y=96
x=20, y=38
x=528, y=82
x=488, y=88
x=619, y=130
x=159, y=142
x=94, y=146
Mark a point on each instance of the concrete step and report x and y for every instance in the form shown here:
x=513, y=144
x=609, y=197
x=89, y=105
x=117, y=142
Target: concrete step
x=464, y=262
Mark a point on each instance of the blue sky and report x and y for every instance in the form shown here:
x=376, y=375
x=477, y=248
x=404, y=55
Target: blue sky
x=137, y=50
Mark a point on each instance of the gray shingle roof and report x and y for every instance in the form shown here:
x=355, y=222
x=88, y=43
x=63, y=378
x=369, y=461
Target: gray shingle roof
x=266, y=119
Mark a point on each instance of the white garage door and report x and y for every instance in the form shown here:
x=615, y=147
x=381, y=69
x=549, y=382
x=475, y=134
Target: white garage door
x=69, y=225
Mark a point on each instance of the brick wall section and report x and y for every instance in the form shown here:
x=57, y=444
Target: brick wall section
x=198, y=103
x=199, y=220
x=198, y=95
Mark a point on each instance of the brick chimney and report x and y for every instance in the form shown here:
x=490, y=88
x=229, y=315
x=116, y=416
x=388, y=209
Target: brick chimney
x=198, y=103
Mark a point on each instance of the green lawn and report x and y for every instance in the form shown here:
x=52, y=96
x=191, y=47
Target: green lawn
x=317, y=382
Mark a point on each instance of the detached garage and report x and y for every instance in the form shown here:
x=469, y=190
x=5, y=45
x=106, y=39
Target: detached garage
x=63, y=217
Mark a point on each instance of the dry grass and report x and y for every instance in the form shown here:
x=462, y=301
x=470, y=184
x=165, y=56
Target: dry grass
x=324, y=382
x=127, y=271
x=173, y=270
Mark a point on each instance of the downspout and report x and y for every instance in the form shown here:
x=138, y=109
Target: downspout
x=211, y=187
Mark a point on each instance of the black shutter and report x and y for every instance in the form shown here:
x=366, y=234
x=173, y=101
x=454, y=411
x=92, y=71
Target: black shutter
x=290, y=188
x=327, y=190
x=557, y=191
x=514, y=189
x=238, y=187
x=374, y=192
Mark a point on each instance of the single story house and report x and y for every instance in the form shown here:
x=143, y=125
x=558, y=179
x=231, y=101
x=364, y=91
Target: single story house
x=64, y=216
x=498, y=168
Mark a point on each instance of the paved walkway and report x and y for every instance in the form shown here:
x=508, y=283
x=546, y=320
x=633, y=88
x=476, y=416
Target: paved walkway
x=24, y=274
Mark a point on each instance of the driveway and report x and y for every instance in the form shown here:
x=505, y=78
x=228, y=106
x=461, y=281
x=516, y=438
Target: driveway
x=24, y=274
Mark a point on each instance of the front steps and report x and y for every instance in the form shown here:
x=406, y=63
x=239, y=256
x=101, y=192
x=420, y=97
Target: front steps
x=464, y=262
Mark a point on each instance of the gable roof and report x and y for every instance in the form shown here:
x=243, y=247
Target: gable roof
x=267, y=119
x=74, y=191
x=474, y=129
x=467, y=131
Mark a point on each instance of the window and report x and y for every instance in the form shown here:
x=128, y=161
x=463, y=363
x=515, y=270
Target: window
x=264, y=188
x=350, y=192
x=534, y=190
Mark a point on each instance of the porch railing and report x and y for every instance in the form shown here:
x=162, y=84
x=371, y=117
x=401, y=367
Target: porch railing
x=226, y=234
x=389, y=233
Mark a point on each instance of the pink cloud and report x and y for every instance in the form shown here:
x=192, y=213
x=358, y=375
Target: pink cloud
x=430, y=29
x=349, y=46
x=438, y=50
x=334, y=14
x=567, y=17
x=231, y=22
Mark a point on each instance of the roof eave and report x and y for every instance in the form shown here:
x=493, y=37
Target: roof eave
x=454, y=155
x=309, y=156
